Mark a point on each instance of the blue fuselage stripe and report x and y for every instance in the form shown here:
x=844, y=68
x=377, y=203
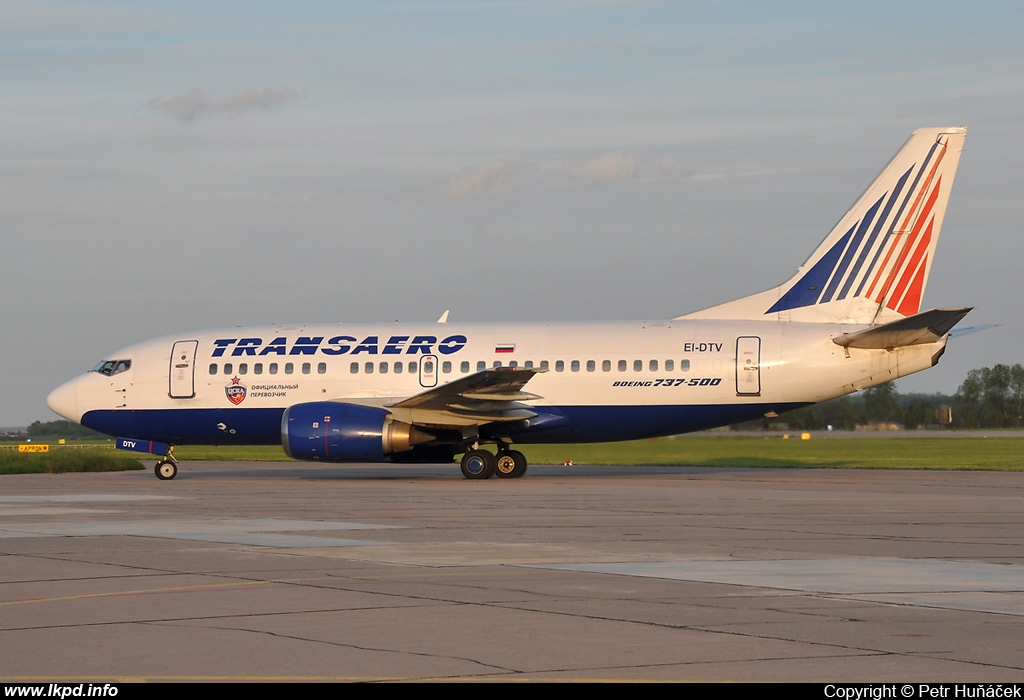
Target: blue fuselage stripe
x=262, y=426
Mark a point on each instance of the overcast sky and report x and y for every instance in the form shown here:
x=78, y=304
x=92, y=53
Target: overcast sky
x=186, y=165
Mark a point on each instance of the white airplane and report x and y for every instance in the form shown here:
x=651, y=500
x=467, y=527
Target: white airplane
x=848, y=319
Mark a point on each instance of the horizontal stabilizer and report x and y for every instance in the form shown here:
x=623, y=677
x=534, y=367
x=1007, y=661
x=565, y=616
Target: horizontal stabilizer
x=927, y=327
x=967, y=330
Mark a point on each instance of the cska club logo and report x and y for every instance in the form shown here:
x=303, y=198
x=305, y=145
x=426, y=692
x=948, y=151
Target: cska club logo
x=235, y=391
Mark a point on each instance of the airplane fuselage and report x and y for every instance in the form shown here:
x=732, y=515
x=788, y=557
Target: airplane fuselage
x=609, y=381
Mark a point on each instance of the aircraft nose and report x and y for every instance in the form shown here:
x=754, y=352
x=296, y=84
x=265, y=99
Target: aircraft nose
x=64, y=401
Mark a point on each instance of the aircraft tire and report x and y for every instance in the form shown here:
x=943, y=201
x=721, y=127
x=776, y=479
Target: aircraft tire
x=165, y=470
x=511, y=464
x=478, y=464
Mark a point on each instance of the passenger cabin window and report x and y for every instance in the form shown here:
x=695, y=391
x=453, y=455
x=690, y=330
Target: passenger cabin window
x=112, y=367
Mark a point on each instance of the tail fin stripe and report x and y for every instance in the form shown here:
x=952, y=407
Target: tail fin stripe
x=927, y=183
x=807, y=291
x=892, y=235
x=897, y=235
x=851, y=252
x=906, y=244
x=914, y=273
x=915, y=248
x=885, y=245
x=873, y=240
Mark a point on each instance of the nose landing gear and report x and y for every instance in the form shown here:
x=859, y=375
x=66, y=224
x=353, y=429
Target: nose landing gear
x=167, y=468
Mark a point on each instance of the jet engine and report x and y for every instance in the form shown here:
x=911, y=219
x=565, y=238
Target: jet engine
x=342, y=432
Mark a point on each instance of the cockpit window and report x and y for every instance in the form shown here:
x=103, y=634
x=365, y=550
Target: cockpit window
x=112, y=367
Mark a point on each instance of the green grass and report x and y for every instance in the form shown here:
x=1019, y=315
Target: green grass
x=773, y=451
x=215, y=453
x=61, y=460
x=968, y=453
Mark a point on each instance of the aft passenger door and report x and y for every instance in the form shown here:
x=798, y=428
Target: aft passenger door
x=748, y=366
x=182, y=384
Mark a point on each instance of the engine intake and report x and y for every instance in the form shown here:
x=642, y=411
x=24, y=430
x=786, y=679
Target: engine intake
x=342, y=432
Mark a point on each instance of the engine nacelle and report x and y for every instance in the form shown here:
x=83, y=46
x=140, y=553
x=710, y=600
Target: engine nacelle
x=343, y=432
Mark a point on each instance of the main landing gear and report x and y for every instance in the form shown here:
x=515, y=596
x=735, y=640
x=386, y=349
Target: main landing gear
x=481, y=464
x=167, y=468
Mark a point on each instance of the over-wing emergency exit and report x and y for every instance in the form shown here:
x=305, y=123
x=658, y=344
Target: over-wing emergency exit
x=850, y=318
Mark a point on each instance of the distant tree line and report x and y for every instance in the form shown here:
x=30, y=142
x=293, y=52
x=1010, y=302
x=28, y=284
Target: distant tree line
x=61, y=429
x=992, y=397
x=879, y=406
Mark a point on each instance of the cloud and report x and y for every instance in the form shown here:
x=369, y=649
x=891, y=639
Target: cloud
x=196, y=104
x=498, y=177
x=620, y=166
x=487, y=180
x=609, y=167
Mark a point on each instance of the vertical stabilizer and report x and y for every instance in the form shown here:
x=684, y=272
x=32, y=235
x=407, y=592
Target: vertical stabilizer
x=874, y=265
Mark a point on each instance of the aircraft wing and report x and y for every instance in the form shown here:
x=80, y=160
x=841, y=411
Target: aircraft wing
x=490, y=395
x=926, y=327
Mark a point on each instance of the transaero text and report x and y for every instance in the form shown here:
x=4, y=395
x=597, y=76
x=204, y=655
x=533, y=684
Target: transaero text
x=922, y=690
x=339, y=345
